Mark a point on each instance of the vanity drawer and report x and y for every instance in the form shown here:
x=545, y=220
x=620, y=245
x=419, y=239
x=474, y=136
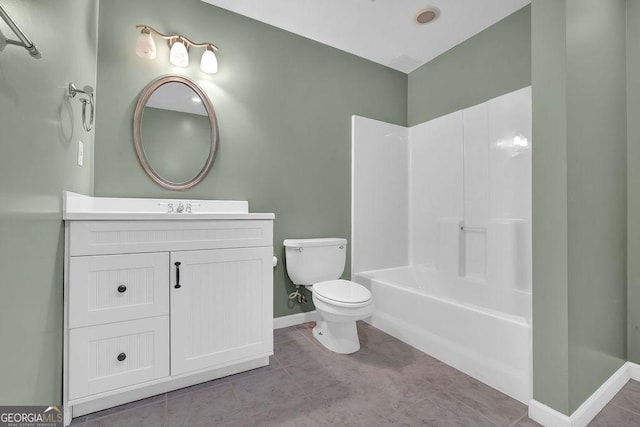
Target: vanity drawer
x=108, y=357
x=113, y=288
x=113, y=237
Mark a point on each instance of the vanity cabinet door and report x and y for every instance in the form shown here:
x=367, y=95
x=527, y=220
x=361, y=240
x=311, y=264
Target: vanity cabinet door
x=221, y=307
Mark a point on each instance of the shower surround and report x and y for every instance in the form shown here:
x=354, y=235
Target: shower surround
x=441, y=223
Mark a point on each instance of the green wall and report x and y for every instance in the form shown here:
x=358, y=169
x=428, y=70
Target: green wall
x=579, y=197
x=40, y=133
x=493, y=62
x=284, y=106
x=633, y=179
x=550, y=296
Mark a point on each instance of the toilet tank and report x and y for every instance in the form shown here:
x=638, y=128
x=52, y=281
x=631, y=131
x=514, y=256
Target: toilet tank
x=311, y=261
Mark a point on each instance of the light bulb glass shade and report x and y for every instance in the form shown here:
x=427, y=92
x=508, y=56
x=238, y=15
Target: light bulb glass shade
x=179, y=55
x=209, y=62
x=145, y=46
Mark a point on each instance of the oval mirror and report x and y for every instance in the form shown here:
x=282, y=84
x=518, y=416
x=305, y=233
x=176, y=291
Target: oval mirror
x=175, y=132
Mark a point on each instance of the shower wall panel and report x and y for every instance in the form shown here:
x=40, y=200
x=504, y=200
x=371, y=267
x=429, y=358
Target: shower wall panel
x=509, y=118
x=435, y=182
x=380, y=228
x=475, y=125
x=453, y=194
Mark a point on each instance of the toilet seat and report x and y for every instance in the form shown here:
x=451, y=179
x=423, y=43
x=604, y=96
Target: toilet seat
x=343, y=293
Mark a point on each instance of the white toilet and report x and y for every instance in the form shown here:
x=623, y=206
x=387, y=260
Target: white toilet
x=317, y=264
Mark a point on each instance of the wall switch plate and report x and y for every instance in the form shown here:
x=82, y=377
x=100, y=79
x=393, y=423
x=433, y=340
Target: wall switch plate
x=80, y=153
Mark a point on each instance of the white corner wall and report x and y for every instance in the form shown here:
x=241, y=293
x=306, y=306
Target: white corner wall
x=510, y=200
x=453, y=193
x=435, y=182
x=475, y=125
x=379, y=196
x=473, y=168
x=509, y=118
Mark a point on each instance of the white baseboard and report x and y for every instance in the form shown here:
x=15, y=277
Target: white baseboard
x=634, y=371
x=547, y=416
x=294, y=319
x=582, y=416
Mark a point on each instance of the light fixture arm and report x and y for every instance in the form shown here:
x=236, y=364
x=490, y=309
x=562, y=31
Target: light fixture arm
x=174, y=37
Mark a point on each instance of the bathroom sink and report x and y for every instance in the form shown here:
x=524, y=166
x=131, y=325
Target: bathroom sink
x=81, y=207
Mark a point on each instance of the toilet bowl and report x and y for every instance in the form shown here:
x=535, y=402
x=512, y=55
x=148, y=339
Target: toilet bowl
x=317, y=264
x=340, y=303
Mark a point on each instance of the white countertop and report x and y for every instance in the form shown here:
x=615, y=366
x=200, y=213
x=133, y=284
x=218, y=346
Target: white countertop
x=135, y=216
x=78, y=207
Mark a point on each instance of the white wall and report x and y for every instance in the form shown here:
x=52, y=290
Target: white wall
x=476, y=190
x=472, y=169
x=380, y=197
x=509, y=117
x=435, y=181
x=456, y=196
x=509, y=233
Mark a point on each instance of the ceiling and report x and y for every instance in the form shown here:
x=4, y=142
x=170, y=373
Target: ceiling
x=383, y=31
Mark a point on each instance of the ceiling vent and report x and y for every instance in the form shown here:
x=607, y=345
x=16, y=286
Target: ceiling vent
x=427, y=15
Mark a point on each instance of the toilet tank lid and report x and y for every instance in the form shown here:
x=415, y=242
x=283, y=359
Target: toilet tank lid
x=306, y=243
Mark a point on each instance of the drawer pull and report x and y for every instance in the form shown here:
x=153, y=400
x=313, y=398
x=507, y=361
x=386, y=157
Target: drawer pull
x=177, y=264
x=122, y=289
x=121, y=357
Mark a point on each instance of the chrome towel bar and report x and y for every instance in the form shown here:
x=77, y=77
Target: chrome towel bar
x=24, y=41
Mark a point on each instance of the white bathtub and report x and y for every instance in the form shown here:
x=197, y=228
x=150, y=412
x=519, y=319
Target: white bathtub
x=462, y=322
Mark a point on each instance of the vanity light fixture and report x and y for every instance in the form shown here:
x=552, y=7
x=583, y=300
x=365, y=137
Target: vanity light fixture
x=145, y=46
x=179, y=54
x=209, y=62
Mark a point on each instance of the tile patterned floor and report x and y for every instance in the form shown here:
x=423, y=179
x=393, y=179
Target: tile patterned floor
x=386, y=383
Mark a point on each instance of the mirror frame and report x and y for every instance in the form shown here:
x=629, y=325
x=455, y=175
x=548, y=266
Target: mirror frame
x=137, y=131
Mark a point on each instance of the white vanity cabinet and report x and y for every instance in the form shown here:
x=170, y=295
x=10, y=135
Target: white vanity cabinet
x=153, y=305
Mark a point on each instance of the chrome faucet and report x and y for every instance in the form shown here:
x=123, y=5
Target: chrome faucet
x=190, y=205
x=169, y=206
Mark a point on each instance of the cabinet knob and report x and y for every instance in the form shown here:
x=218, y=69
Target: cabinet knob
x=121, y=357
x=122, y=289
